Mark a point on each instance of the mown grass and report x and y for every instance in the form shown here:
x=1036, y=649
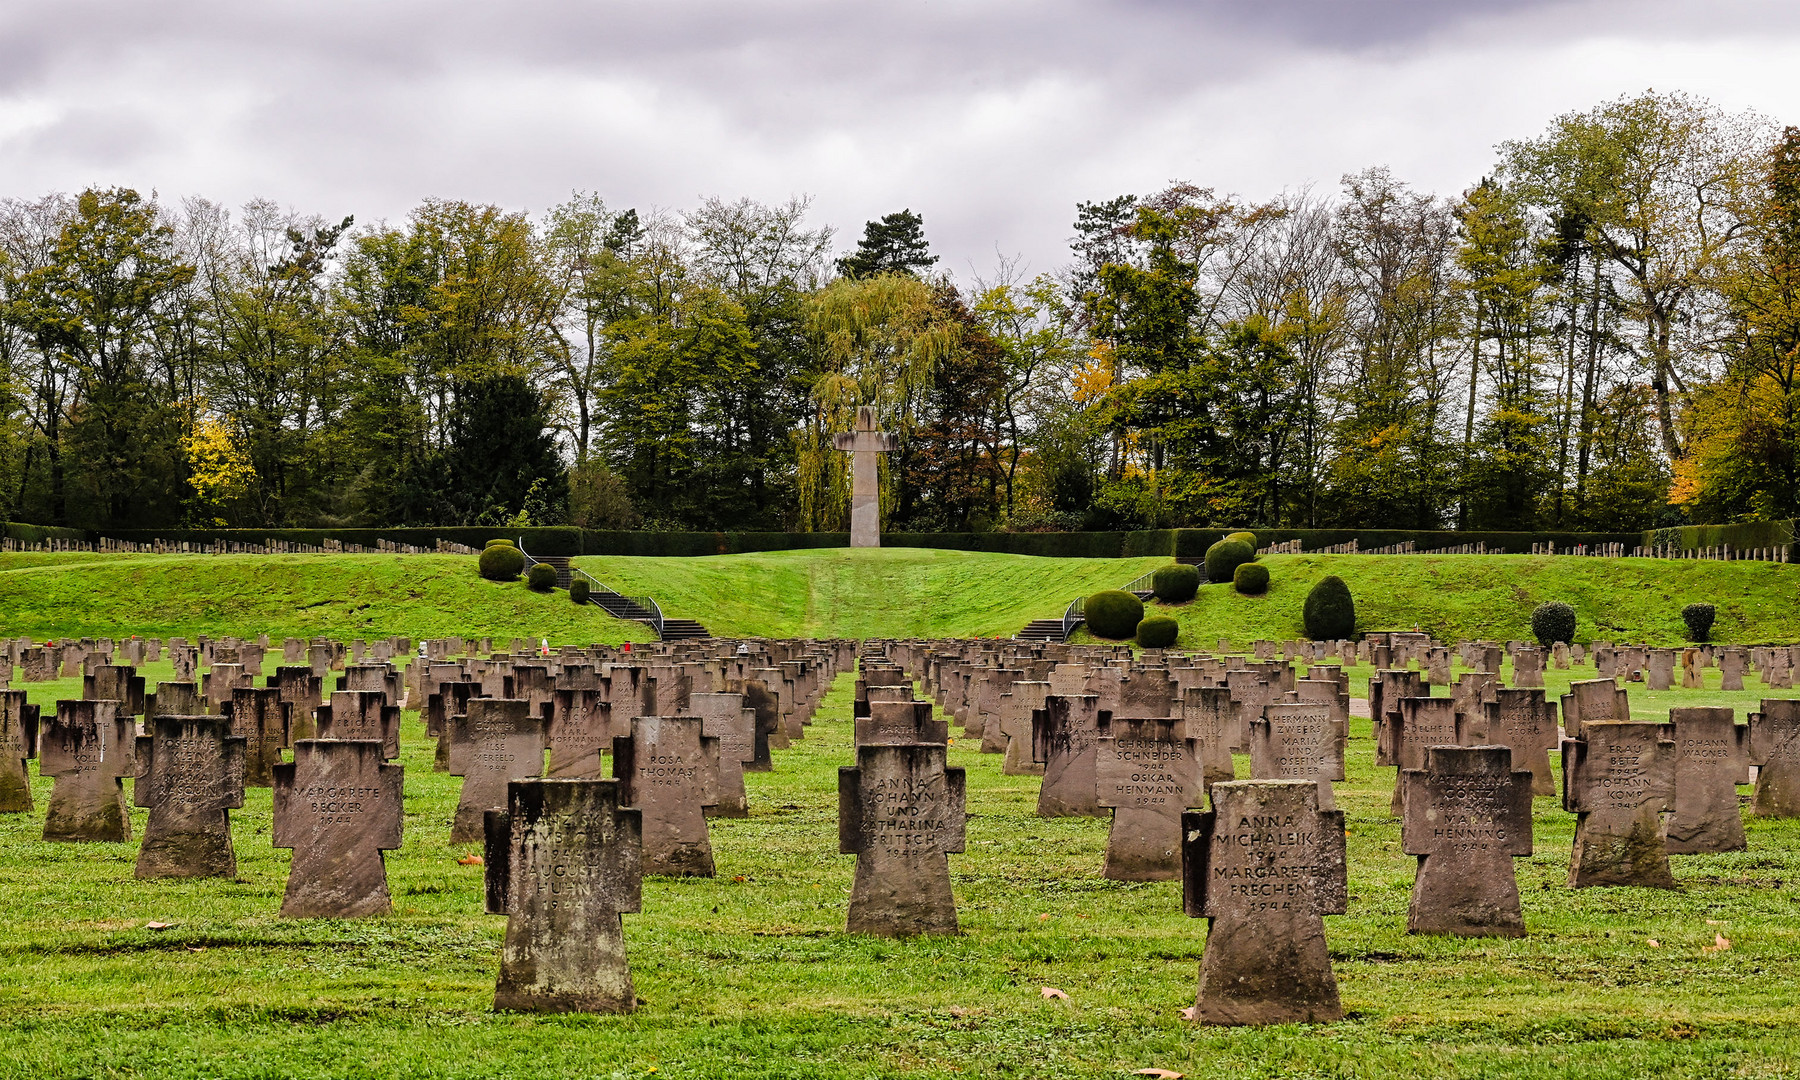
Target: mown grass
x=1473, y=597
x=749, y=974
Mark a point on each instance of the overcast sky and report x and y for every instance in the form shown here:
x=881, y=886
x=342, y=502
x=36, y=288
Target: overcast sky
x=990, y=118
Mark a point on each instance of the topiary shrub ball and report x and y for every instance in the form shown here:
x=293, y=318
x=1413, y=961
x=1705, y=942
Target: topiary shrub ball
x=1246, y=537
x=1553, y=622
x=1699, y=620
x=501, y=562
x=1113, y=614
x=1158, y=632
x=542, y=577
x=1175, y=584
x=1330, y=612
x=1251, y=579
x=500, y=541
x=579, y=591
x=1225, y=557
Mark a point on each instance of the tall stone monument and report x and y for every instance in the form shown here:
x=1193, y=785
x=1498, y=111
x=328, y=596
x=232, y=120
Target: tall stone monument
x=865, y=486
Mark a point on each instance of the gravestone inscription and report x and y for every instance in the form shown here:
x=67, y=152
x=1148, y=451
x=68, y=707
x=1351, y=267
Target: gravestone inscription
x=190, y=774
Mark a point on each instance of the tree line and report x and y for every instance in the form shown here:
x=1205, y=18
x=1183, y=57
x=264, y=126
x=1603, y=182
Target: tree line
x=1601, y=333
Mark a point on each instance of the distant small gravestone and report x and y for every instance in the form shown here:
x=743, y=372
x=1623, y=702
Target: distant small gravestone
x=1148, y=771
x=1063, y=737
x=1299, y=741
x=1593, y=699
x=1619, y=776
x=901, y=813
x=581, y=729
x=190, y=774
x=1731, y=669
x=89, y=747
x=1414, y=724
x=563, y=863
x=18, y=744
x=1526, y=723
x=1660, y=670
x=899, y=723
x=1263, y=866
x=1211, y=719
x=1016, y=708
x=301, y=689
x=338, y=804
x=261, y=718
x=669, y=769
x=361, y=714
x=37, y=664
x=724, y=717
x=1712, y=757
x=1468, y=816
x=495, y=741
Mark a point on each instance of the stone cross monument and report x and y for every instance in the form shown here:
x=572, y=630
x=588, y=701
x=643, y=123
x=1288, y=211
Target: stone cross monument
x=865, y=490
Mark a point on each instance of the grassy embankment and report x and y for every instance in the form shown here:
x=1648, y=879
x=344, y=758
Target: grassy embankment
x=749, y=975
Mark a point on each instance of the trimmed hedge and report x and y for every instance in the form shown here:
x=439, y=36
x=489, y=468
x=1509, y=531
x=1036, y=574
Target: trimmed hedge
x=1748, y=534
x=1251, y=579
x=1224, y=557
x=1330, y=611
x=1246, y=537
x=1699, y=620
x=1553, y=622
x=1175, y=584
x=1158, y=632
x=542, y=577
x=1113, y=614
x=579, y=591
x=502, y=562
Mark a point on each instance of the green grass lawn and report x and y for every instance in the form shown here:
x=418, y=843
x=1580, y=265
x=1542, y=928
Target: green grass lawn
x=749, y=975
x=1474, y=597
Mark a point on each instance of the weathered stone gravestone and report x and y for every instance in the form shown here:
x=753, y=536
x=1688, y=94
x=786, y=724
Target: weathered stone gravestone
x=1525, y=722
x=725, y=718
x=1016, y=709
x=219, y=682
x=1660, y=671
x=669, y=769
x=1593, y=699
x=300, y=688
x=563, y=864
x=900, y=812
x=1211, y=718
x=900, y=723
x=362, y=714
x=338, y=805
x=1692, y=660
x=581, y=729
x=1775, y=749
x=1712, y=757
x=495, y=741
x=1299, y=742
x=37, y=664
x=89, y=747
x=1619, y=776
x=261, y=718
x=865, y=484
x=1148, y=771
x=115, y=682
x=1063, y=736
x=1468, y=816
x=190, y=774
x=1731, y=669
x=1263, y=866
x=1413, y=725
x=18, y=744
x=1528, y=668
x=1559, y=655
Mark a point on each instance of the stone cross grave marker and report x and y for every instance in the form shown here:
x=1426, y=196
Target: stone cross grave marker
x=1211, y=718
x=581, y=731
x=18, y=744
x=496, y=740
x=1619, y=776
x=901, y=813
x=1731, y=669
x=1526, y=722
x=765, y=705
x=669, y=769
x=89, y=747
x=1299, y=742
x=1262, y=867
x=900, y=723
x=1593, y=699
x=1016, y=707
x=865, y=483
x=115, y=682
x=190, y=774
x=1063, y=736
x=1712, y=757
x=1413, y=725
x=1775, y=748
x=37, y=664
x=1148, y=770
x=301, y=689
x=564, y=862
x=1468, y=816
x=338, y=806
x=361, y=714
x=725, y=718
x=261, y=718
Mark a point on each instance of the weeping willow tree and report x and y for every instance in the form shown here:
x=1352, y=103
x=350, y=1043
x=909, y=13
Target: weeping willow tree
x=881, y=340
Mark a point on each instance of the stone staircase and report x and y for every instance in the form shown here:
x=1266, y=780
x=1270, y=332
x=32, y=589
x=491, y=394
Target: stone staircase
x=1043, y=630
x=1059, y=629
x=679, y=629
x=637, y=608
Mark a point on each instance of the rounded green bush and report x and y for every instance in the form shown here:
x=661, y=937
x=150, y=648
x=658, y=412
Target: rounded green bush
x=1158, y=632
x=501, y=562
x=501, y=541
x=579, y=590
x=1251, y=579
x=1175, y=584
x=1329, y=612
x=1553, y=622
x=1224, y=557
x=542, y=577
x=1246, y=537
x=1113, y=614
x=1699, y=620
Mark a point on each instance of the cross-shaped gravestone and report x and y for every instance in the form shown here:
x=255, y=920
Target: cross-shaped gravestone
x=1468, y=815
x=899, y=723
x=1063, y=737
x=1414, y=725
x=669, y=769
x=1016, y=707
x=18, y=744
x=115, y=682
x=581, y=728
x=1712, y=757
x=865, y=482
x=1593, y=699
x=301, y=689
x=1619, y=776
x=1775, y=748
x=89, y=747
x=261, y=718
x=494, y=741
x=361, y=714
x=449, y=698
x=765, y=705
x=338, y=805
x=1148, y=771
x=724, y=717
x=901, y=813
x=563, y=863
x=1526, y=722
x=1731, y=669
x=219, y=682
x=1211, y=718
x=1263, y=866
x=190, y=774
x=1300, y=741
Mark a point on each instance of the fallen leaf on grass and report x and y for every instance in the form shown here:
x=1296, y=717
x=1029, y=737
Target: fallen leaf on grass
x=157, y=925
x=471, y=859
x=1714, y=922
x=1720, y=944
x=1041, y=918
x=1160, y=1074
x=1653, y=943
x=1191, y=1013
x=1052, y=992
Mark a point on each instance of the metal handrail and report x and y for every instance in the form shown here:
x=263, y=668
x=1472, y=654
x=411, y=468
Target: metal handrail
x=654, y=621
x=1142, y=581
x=1074, y=616
x=656, y=613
